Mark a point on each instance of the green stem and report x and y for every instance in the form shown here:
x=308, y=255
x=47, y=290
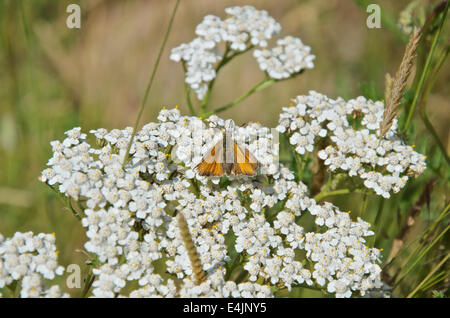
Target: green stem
x=433, y=132
x=187, y=91
x=233, y=266
x=423, y=238
x=364, y=205
x=195, y=187
x=89, y=280
x=266, y=82
x=225, y=60
x=328, y=184
x=302, y=167
x=66, y=201
x=298, y=162
x=428, y=277
x=150, y=82
x=440, y=61
x=425, y=70
x=435, y=280
x=422, y=47
x=325, y=194
x=423, y=113
x=425, y=251
x=377, y=220
x=441, y=217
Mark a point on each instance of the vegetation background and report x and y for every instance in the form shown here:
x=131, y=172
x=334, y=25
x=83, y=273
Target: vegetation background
x=53, y=78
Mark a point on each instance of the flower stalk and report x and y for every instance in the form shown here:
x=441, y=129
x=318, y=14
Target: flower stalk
x=266, y=82
x=150, y=82
x=425, y=70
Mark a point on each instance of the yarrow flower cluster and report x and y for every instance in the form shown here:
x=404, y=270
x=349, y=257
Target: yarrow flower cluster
x=199, y=57
x=244, y=28
x=30, y=259
x=288, y=58
x=130, y=215
x=341, y=250
x=384, y=164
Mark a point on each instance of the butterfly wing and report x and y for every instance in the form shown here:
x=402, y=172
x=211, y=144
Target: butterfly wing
x=245, y=163
x=211, y=164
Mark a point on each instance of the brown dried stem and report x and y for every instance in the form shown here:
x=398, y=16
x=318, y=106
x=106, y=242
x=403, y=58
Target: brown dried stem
x=194, y=257
x=394, y=86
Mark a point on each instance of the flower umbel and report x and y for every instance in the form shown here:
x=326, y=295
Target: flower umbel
x=383, y=163
x=29, y=259
x=245, y=28
x=129, y=215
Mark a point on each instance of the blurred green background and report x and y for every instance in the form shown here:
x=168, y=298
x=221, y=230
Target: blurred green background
x=53, y=78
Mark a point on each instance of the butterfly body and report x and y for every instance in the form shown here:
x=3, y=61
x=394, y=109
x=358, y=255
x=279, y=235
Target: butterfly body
x=228, y=158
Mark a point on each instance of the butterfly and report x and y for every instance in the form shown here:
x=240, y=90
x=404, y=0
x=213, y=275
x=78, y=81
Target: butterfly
x=228, y=158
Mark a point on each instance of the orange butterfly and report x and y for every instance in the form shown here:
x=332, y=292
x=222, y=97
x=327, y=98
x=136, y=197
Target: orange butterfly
x=227, y=157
